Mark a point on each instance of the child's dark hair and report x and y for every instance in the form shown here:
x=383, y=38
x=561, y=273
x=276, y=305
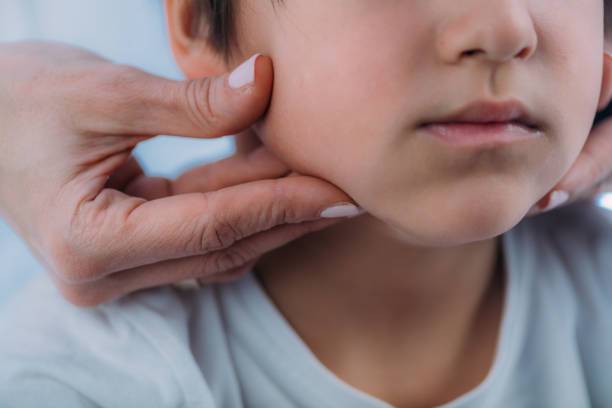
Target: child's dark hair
x=215, y=18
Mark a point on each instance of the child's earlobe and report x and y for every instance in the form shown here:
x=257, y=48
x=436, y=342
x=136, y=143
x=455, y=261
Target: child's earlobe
x=606, y=83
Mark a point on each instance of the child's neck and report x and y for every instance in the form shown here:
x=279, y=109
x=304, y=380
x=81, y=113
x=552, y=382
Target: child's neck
x=356, y=288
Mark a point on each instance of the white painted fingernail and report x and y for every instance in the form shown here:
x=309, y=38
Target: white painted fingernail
x=557, y=198
x=244, y=74
x=187, y=284
x=342, y=211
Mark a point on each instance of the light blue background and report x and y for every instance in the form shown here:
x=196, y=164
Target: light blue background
x=126, y=31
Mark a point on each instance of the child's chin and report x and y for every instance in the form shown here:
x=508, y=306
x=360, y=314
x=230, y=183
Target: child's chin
x=445, y=226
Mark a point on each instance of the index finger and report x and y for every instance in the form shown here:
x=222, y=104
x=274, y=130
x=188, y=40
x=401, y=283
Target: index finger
x=115, y=232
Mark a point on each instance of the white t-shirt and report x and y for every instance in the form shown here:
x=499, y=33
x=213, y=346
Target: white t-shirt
x=228, y=346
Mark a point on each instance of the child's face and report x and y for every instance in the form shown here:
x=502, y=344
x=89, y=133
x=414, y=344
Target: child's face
x=354, y=78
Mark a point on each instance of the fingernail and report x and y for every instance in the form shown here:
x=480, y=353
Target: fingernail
x=244, y=74
x=557, y=198
x=342, y=211
x=187, y=284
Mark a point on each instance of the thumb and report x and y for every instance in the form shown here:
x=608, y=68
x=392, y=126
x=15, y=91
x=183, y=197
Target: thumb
x=205, y=107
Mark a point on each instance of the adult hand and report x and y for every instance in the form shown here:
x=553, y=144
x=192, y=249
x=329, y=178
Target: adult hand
x=70, y=187
x=589, y=176
x=591, y=173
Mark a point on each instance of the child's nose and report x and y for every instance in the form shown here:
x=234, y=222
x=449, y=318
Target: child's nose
x=493, y=31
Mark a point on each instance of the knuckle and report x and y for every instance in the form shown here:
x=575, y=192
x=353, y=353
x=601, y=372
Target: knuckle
x=221, y=230
x=201, y=104
x=283, y=209
x=221, y=234
x=228, y=259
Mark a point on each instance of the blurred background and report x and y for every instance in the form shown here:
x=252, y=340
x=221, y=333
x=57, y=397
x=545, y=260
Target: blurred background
x=131, y=32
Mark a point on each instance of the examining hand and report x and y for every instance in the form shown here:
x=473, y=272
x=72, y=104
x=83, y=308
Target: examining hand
x=70, y=187
x=589, y=176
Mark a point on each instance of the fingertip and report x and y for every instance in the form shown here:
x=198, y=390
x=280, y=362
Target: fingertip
x=256, y=72
x=342, y=210
x=264, y=71
x=244, y=74
x=318, y=198
x=264, y=79
x=248, y=91
x=552, y=200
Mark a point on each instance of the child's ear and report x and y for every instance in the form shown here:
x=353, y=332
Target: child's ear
x=606, y=83
x=191, y=50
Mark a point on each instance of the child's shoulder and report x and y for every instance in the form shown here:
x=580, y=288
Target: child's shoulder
x=580, y=218
x=570, y=252
x=562, y=302
x=582, y=231
x=137, y=347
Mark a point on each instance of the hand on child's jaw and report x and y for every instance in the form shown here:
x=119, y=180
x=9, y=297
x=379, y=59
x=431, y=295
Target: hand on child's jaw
x=393, y=68
x=591, y=174
x=100, y=225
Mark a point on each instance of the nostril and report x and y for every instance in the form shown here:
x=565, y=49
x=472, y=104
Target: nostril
x=524, y=53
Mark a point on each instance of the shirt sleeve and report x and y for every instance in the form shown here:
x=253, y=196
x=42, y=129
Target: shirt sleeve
x=585, y=244
x=598, y=242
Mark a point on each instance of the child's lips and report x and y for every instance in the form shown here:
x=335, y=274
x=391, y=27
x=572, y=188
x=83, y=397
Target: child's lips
x=478, y=134
x=485, y=123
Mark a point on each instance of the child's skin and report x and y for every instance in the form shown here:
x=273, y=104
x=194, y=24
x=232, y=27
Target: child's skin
x=405, y=302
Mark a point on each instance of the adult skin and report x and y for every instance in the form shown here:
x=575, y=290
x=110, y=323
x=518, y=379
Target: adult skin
x=71, y=189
